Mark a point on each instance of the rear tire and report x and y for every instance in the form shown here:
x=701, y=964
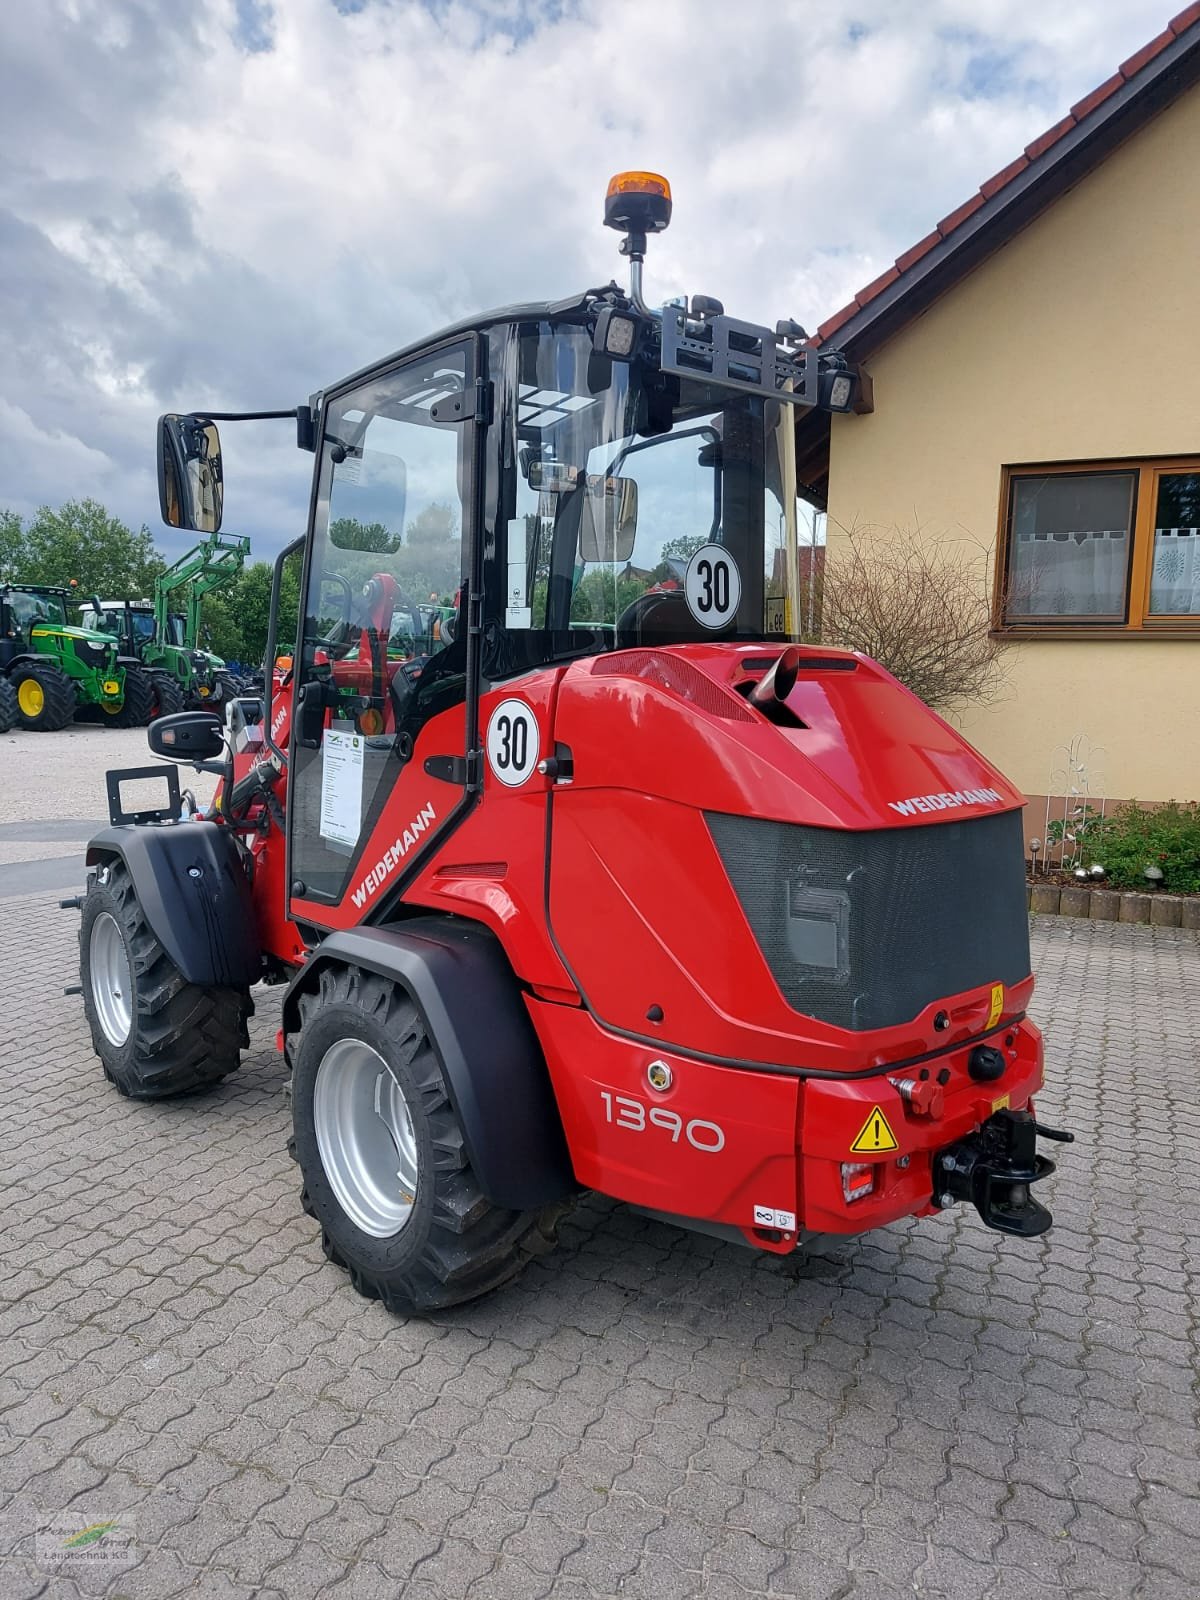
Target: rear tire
x=45, y=696
x=156, y=1034
x=423, y=1234
x=8, y=705
x=167, y=695
x=136, y=707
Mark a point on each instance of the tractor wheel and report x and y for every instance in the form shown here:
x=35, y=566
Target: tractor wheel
x=224, y=688
x=156, y=1034
x=167, y=695
x=136, y=708
x=381, y=1151
x=45, y=697
x=8, y=705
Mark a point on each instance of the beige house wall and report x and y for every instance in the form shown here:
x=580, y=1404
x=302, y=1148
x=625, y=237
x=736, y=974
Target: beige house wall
x=1079, y=340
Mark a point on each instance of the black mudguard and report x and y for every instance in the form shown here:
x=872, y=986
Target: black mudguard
x=195, y=894
x=459, y=977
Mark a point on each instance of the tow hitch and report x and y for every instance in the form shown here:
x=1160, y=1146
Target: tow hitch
x=994, y=1167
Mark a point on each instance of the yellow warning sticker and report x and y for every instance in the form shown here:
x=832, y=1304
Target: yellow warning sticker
x=1003, y=1103
x=876, y=1135
x=997, y=1005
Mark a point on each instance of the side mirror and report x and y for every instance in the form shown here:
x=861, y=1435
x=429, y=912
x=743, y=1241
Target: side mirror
x=191, y=488
x=608, y=521
x=187, y=736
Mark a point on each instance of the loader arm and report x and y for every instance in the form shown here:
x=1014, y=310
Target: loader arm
x=213, y=564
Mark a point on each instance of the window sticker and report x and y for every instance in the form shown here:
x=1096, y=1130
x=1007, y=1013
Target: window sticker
x=712, y=586
x=341, y=786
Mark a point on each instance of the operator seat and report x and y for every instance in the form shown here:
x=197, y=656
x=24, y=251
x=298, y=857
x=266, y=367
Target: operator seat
x=660, y=615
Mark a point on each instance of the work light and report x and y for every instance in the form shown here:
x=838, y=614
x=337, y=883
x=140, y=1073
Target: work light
x=837, y=390
x=616, y=334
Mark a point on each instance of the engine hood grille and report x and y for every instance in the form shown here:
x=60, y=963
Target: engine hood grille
x=864, y=930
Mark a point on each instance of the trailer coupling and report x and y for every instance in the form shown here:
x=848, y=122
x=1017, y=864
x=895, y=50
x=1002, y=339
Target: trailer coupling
x=994, y=1168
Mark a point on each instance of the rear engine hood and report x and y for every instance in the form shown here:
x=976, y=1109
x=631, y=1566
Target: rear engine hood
x=671, y=722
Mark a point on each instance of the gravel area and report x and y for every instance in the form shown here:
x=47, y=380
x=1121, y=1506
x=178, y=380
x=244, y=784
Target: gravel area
x=61, y=775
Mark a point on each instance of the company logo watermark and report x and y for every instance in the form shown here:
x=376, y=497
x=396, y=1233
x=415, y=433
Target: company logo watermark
x=74, y=1539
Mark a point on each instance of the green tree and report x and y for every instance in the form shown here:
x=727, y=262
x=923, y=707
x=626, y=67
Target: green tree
x=235, y=620
x=431, y=559
x=84, y=542
x=348, y=533
x=12, y=547
x=683, y=547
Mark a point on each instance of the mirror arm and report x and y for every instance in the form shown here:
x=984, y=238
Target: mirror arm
x=269, y=655
x=246, y=416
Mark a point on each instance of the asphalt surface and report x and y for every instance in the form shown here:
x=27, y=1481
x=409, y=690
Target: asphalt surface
x=932, y=1410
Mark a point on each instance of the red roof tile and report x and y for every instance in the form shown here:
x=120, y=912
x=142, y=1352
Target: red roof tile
x=877, y=286
x=958, y=217
x=1098, y=96
x=831, y=326
x=1011, y=171
x=922, y=247
x=1082, y=109
x=1051, y=136
x=1146, y=54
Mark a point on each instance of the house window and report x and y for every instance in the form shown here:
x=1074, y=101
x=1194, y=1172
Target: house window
x=1109, y=546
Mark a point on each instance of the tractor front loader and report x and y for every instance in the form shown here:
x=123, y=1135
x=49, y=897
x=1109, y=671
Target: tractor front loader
x=607, y=882
x=56, y=670
x=167, y=642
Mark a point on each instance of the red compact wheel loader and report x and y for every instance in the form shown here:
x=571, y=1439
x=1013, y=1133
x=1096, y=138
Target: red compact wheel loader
x=605, y=882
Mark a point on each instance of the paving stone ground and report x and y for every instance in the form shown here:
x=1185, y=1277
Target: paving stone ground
x=931, y=1410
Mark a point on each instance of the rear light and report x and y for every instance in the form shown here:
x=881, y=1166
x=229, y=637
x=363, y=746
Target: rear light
x=858, y=1180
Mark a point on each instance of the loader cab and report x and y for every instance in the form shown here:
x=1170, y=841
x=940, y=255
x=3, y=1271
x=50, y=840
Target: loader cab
x=538, y=485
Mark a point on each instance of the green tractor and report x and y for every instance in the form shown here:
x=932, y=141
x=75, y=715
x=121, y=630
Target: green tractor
x=55, y=670
x=166, y=642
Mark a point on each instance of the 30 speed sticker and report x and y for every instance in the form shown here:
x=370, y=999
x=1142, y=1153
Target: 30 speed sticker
x=512, y=742
x=712, y=586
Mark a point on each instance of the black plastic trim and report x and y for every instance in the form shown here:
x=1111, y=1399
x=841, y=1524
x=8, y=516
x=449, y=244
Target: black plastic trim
x=194, y=892
x=460, y=978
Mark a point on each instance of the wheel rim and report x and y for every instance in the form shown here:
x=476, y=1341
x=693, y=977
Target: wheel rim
x=111, y=979
x=31, y=698
x=365, y=1137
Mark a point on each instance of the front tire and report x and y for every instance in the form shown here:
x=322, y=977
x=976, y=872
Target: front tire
x=381, y=1150
x=8, y=705
x=167, y=695
x=137, y=706
x=45, y=697
x=156, y=1034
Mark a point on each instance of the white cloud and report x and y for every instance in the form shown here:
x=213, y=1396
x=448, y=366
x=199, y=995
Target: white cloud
x=232, y=206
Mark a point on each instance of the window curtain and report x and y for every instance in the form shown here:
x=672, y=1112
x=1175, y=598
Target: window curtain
x=1069, y=574
x=1175, y=575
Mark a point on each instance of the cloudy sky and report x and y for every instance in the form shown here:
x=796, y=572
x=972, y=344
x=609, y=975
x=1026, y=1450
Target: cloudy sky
x=231, y=203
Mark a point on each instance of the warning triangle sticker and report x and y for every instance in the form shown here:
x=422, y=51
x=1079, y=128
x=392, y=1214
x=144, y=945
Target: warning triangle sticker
x=876, y=1135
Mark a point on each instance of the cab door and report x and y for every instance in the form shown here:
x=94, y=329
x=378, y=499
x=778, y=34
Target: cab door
x=379, y=735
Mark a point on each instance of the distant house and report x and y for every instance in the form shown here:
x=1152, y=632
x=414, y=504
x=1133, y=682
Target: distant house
x=1036, y=369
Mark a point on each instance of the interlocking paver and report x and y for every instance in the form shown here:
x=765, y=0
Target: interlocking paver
x=931, y=1410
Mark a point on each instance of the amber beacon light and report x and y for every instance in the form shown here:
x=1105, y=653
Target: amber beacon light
x=638, y=202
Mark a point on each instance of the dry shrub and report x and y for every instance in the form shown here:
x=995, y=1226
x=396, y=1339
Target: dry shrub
x=920, y=607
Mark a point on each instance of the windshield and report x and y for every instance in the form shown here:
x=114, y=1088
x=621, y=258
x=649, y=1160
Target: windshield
x=645, y=508
x=28, y=609
x=175, y=628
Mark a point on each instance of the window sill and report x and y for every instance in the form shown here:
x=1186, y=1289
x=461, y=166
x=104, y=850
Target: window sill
x=1100, y=630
